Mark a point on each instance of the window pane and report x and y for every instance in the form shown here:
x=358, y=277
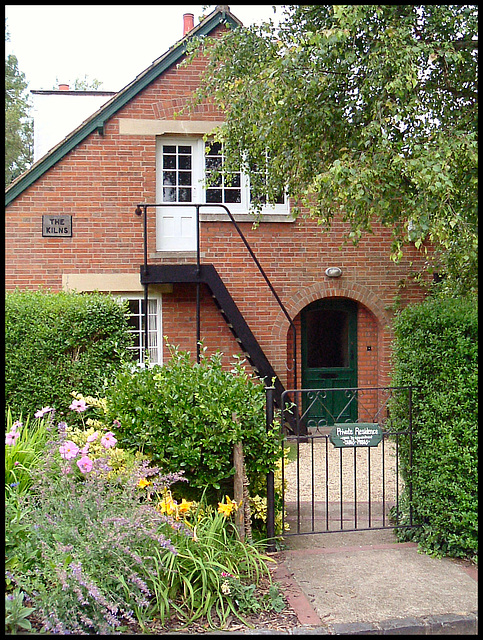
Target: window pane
x=176, y=181
x=136, y=328
x=213, y=196
x=232, y=196
x=233, y=180
x=169, y=195
x=280, y=199
x=169, y=162
x=184, y=162
x=217, y=182
x=328, y=335
x=169, y=178
x=230, y=186
x=184, y=195
x=212, y=163
x=212, y=148
x=258, y=199
x=184, y=177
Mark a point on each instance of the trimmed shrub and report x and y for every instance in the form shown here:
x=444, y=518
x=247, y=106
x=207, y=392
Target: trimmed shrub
x=56, y=343
x=187, y=416
x=435, y=351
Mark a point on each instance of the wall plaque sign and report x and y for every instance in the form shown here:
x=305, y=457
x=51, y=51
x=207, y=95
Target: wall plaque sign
x=355, y=434
x=54, y=226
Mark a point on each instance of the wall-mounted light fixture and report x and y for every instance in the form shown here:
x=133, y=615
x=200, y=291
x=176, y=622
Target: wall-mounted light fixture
x=333, y=272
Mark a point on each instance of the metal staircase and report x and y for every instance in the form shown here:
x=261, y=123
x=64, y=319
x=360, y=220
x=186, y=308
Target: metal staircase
x=208, y=275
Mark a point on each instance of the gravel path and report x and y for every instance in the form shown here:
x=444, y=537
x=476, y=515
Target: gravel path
x=315, y=458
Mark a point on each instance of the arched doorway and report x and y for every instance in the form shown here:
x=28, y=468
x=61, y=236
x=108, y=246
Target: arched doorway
x=329, y=358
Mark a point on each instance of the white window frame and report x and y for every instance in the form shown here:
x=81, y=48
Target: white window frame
x=155, y=334
x=199, y=190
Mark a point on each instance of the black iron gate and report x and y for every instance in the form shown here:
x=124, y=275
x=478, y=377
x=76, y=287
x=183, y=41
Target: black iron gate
x=338, y=475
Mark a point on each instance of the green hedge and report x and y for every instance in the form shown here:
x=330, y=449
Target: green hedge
x=187, y=416
x=56, y=343
x=435, y=350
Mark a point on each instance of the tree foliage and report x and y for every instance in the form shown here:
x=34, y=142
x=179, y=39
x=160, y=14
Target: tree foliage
x=83, y=84
x=86, y=84
x=18, y=124
x=368, y=113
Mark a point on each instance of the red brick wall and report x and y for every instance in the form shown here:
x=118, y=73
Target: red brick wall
x=100, y=182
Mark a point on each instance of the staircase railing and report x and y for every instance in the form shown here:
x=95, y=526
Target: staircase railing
x=141, y=209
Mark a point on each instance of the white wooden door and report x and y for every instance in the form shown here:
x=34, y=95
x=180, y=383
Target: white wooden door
x=178, y=182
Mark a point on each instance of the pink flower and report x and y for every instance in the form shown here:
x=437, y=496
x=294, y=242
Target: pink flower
x=78, y=405
x=93, y=437
x=11, y=437
x=108, y=440
x=16, y=425
x=41, y=412
x=85, y=449
x=85, y=464
x=68, y=450
x=116, y=423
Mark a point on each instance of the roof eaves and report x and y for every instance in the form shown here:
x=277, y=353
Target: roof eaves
x=100, y=117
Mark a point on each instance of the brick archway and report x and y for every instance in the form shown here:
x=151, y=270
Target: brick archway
x=346, y=289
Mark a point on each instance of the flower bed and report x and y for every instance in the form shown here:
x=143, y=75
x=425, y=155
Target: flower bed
x=96, y=543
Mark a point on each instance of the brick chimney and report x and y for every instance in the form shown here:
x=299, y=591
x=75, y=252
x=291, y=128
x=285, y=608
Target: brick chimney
x=63, y=87
x=188, y=22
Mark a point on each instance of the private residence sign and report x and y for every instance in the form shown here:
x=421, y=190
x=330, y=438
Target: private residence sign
x=355, y=434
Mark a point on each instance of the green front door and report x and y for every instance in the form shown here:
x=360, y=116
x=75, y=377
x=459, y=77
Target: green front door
x=329, y=361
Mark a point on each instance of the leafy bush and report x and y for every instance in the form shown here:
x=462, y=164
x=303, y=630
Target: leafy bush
x=187, y=416
x=57, y=342
x=435, y=351
x=16, y=613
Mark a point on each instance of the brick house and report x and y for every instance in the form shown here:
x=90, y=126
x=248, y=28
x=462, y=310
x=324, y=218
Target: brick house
x=71, y=224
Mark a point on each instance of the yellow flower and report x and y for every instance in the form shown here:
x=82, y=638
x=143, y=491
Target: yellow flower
x=185, y=506
x=168, y=505
x=226, y=509
x=143, y=483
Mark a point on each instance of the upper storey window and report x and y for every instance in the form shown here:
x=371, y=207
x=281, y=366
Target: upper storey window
x=177, y=173
x=188, y=172
x=224, y=189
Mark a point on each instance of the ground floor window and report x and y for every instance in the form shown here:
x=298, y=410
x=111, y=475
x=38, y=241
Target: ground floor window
x=136, y=327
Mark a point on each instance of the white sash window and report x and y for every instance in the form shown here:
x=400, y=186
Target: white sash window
x=136, y=327
x=183, y=168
